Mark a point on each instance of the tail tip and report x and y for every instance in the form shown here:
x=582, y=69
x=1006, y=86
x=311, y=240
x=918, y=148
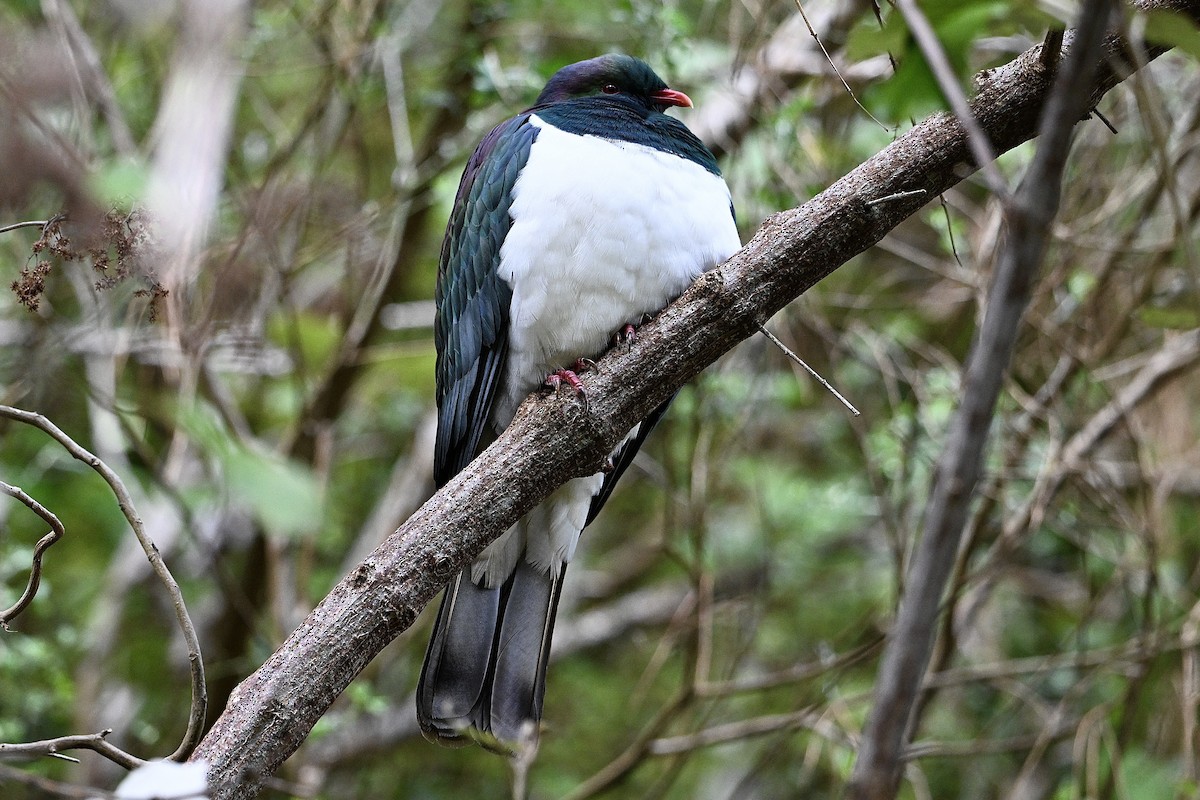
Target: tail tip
x=515, y=741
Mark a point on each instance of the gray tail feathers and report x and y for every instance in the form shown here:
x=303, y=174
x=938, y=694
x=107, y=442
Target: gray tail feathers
x=485, y=669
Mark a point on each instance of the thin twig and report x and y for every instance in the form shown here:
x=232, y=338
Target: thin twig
x=43, y=544
x=796, y=674
x=1134, y=650
x=950, y=229
x=1178, y=353
x=97, y=742
x=896, y=196
x=836, y=71
x=746, y=728
x=1052, y=49
x=199, y=705
x=1112, y=128
x=90, y=72
x=33, y=223
x=788, y=352
x=980, y=747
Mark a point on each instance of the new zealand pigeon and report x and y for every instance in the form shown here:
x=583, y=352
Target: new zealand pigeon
x=573, y=220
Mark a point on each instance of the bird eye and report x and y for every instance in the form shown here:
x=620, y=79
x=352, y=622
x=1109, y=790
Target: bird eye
x=609, y=88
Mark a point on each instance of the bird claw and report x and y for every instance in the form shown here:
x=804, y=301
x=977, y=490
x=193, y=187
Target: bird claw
x=556, y=379
x=625, y=336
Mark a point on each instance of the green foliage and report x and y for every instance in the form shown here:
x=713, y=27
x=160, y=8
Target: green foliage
x=284, y=496
x=913, y=92
x=1173, y=30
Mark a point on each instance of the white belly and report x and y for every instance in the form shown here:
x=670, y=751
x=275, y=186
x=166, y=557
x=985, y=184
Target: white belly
x=603, y=232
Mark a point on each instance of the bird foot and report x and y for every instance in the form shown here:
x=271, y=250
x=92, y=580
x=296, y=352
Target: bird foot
x=556, y=379
x=625, y=336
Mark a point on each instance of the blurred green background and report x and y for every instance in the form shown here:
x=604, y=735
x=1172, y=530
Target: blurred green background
x=720, y=632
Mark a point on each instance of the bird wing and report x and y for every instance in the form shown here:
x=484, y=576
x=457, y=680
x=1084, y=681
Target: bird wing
x=623, y=457
x=471, y=329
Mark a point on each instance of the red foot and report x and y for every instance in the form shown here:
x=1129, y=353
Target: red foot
x=625, y=336
x=556, y=379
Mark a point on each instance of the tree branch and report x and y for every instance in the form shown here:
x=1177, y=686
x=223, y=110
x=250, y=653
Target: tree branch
x=43, y=544
x=199, y=705
x=1028, y=215
x=551, y=440
x=97, y=742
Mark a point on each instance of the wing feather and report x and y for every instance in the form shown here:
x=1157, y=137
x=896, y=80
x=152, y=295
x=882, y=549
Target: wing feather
x=473, y=300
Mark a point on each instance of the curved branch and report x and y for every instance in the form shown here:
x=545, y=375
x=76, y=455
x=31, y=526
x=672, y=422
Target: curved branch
x=43, y=544
x=199, y=706
x=550, y=440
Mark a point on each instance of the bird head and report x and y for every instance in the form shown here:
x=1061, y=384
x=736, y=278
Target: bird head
x=616, y=76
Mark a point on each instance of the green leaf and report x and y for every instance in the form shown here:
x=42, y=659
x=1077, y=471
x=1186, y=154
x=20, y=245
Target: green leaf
x=1173, y=317
x=283, y=495
x=1174, y=29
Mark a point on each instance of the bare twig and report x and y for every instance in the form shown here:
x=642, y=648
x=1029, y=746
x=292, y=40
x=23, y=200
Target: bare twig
x=877, y=771
x=1052, y=49
x=35, y=571
x=980, y=747
x=90, y=72
x=1111, y=128
x=896, y=196
x=755, y=726
x=1135, y=650
x=950, y=230
x=97, y=742
x=780, y=64
x=199, y=705
x=797, y=674
x=836, y=71
x=787, y=351
x=33, y=223
x=1178, y=352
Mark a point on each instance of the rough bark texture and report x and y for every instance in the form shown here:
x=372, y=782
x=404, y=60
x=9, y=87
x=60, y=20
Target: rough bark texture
x=553, y=439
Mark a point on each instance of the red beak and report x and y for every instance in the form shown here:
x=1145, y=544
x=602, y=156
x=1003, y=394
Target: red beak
x=670, y=97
